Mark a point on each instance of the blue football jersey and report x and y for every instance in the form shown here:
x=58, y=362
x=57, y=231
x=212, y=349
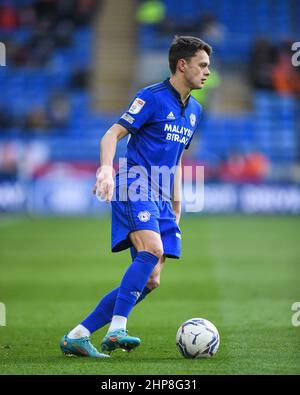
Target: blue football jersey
x=160, y=128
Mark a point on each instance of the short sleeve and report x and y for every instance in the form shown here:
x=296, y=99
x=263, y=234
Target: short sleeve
x=139, y=113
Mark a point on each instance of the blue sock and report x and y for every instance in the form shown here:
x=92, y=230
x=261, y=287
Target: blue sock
x=102, y=313
x=133, y=282
x=145, y=292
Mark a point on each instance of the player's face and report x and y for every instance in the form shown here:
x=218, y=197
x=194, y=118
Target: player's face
x=196, y=70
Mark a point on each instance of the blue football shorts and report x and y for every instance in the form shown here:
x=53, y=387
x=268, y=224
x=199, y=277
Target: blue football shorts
x=158, y=216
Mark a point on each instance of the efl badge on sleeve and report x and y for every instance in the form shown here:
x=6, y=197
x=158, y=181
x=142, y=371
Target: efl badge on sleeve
x=136, y=106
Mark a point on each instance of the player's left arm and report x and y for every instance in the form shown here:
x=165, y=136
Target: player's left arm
x=176, y=194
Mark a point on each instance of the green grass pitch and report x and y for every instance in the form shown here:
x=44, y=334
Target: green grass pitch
x=241, y=273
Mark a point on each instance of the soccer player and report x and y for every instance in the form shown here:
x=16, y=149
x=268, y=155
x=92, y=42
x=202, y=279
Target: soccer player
x=161, y=121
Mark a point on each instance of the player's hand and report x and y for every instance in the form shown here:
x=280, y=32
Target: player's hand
x=104, y=186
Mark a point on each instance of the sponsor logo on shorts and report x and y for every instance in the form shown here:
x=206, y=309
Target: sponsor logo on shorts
x=136, y=106
x=127, y=118
x=144, y=216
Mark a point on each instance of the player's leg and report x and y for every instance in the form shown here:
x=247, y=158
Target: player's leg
x=154, y=279
x=146, y=290
x=102, y=315
x=125, y=219
x=149, y=250
x=103, y=312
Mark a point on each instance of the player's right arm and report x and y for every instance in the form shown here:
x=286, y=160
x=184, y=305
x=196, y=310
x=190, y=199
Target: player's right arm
x=140, y=111
x=104, y=185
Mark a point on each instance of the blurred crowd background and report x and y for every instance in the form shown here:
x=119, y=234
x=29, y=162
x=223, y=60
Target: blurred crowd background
x=72, y=67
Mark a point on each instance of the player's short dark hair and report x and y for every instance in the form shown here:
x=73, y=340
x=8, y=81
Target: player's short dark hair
x=185, y=47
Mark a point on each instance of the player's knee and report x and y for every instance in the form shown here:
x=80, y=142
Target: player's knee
x=153, y=283
x=156, y=250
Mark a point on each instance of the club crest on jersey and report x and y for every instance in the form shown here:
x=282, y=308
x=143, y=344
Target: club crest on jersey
x=193, y=119
x=136, y=106
x=144, y=216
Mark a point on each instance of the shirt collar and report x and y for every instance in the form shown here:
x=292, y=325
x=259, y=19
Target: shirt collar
x=176, y=93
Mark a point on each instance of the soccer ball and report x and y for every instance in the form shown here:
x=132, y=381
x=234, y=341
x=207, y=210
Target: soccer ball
x=197, y=338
